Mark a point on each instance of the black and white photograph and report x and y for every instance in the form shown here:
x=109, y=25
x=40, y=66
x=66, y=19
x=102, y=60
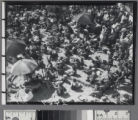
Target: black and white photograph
x=70, y=52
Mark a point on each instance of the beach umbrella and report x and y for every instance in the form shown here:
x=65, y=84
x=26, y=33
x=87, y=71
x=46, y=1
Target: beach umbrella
x=76, y=17
x=24, y=66
x=83, y=19
x=15, y=47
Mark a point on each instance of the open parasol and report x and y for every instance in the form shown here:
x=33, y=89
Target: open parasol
x=24, y=66
x=83, y=19
x=15, y=47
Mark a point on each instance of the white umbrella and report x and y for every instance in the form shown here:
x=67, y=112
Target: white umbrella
x=24, y=66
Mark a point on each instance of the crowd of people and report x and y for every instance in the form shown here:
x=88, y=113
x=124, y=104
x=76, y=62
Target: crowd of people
x=65, y=39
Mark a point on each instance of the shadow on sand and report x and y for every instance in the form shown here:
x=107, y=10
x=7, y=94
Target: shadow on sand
x=43, y=93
